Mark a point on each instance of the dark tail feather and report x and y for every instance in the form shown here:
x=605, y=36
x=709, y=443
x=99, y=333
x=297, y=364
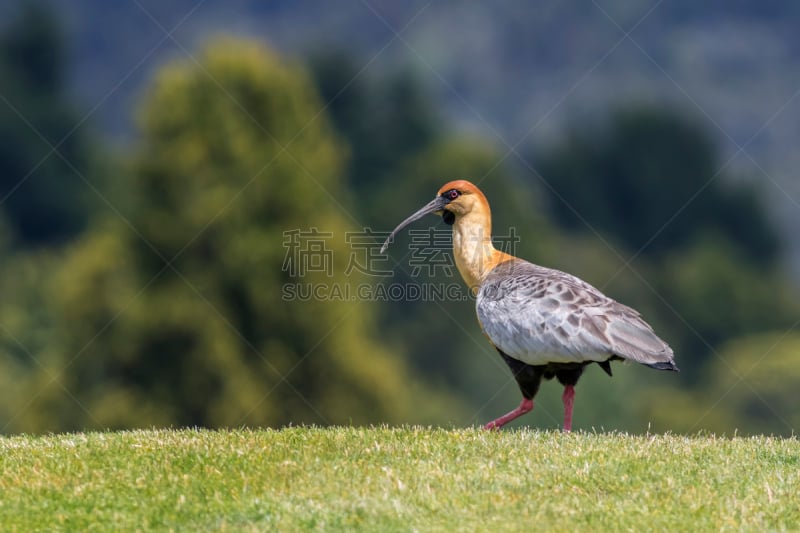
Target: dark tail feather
x=606, y=366
x=664, y=366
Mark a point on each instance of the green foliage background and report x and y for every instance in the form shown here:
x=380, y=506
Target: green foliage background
x=143, y=287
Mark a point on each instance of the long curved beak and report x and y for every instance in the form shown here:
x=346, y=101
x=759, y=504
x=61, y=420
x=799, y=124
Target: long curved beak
x=437, y=204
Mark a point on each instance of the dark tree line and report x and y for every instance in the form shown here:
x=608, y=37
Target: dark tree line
x=176, y=316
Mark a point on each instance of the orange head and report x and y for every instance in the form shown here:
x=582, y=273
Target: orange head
x=464, y=198
x=454, y=200
x=461, y=204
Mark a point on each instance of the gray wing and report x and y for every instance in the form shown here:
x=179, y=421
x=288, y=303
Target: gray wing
x=539, y=315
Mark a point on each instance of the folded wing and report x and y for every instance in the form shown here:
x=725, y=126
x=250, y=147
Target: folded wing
x=539, y=315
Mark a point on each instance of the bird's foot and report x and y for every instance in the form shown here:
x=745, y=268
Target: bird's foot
x=524, y=407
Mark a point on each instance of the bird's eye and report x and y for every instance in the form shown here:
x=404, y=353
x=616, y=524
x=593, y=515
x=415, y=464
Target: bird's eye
x=452, y=194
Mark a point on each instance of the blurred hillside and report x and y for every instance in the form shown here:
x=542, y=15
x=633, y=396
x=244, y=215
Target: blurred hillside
x=513, y=72
x=145, y=281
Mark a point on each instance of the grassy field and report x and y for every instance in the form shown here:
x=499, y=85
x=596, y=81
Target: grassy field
x=397, y=479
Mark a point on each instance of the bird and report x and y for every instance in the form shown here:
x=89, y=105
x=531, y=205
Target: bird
x=545, y=323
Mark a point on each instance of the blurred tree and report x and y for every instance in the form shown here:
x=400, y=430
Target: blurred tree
x=43, y=197
x=178, y=317
x=652, y=179
x=184, y=320
x=719, y=296
x=751, y=388
x=384, y=120
x=754, y=386
x=29, y=342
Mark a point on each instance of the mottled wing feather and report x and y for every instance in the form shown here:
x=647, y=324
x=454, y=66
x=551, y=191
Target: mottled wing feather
x=539, y=315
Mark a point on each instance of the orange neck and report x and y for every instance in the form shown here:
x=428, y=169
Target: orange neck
x=473, y=250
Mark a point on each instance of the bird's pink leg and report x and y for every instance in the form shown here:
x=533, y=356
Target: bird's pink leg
x=524, y=407
x=568, y=398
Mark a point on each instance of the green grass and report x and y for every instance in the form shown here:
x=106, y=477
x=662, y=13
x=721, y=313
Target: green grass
x=397, y=479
